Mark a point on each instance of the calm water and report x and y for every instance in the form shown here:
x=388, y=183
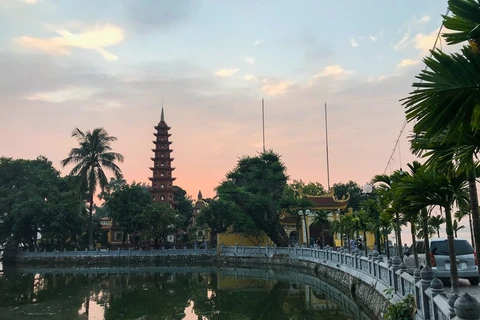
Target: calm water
x=195, y=294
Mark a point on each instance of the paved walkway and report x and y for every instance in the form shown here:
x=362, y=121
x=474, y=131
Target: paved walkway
x=465, y=286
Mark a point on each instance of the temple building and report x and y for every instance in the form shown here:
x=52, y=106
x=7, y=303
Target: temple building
x=162, y=179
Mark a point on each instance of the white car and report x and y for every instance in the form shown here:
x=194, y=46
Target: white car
x=467, y=263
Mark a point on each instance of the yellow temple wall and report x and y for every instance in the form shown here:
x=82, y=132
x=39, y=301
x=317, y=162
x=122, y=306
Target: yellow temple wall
x=370, y=240
x=230, y=239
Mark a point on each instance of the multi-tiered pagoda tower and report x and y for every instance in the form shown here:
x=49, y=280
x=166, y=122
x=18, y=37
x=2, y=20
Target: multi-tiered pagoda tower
x=162, y=180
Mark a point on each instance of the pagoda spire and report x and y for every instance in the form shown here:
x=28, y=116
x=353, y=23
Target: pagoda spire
x=162, y=116
x=200, y=197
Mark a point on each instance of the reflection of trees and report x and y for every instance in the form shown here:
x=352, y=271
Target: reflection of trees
x=50, y=296
x=153, y=296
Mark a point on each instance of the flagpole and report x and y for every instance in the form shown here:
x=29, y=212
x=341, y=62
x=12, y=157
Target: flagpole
x=326, y=145
x=263, y=124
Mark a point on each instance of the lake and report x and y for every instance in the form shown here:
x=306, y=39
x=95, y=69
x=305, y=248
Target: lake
x=169, y=293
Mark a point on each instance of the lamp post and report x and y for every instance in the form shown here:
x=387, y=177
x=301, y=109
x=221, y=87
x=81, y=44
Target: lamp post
x=367, y=189
x=305, y=231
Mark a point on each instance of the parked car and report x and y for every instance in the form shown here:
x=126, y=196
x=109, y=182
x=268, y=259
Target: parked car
x=467, y=263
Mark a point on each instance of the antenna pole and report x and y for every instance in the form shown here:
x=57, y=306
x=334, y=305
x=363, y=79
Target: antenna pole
x=263, y=124
x=326, y=145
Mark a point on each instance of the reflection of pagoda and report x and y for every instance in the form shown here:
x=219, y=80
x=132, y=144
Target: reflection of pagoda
x=162, y=179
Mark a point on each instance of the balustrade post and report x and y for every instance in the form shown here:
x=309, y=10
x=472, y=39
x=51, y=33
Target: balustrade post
x=243, y=248
x=236, y=248
x=451, y=303
x=356, y=258
x=369, y=256
x=427, y=277
x=467, y=307
x=396, y=262
x=403, y=268
x=266, y=249
x=375, y=255
x=437, y=289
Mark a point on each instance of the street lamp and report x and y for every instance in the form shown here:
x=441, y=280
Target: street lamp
x=305, y=233
x=367, y=189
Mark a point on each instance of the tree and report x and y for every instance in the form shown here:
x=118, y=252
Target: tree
x=457, y=227
x=445, y=103
x=127, y=205
x=183, y=205
x=438, y=189
x=218, y=216
x=436, y=222
x=93, y=154
x=35, y=200
x=256, y=185
x=300, y=188
x=350, y=188
x=156, y=221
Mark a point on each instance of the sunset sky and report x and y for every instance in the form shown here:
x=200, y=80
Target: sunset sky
x=90, y=63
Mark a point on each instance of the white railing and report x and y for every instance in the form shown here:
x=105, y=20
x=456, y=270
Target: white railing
x=391, y=278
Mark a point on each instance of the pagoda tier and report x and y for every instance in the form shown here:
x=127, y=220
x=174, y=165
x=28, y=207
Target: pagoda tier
x=159, y=127
x=163, y=158
x=156, y=179
x=162, y=180
x=162, y=168
x=162, y=134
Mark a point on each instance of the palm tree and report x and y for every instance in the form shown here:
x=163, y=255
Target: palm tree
x=459, y=216
x=456, y=227
x=90, y=157
x=437, y=189
x=444, y=104
x=436, y=222
x=385, y=188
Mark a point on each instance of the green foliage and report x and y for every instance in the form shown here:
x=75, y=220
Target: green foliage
x=93, y=154
x=350, y=188
x=465, y=20
x=35, y=199
x=127, y=205
x=156, y=221
x=219, y=215
x=256, y=186
x=183, y=205
x=403, y=310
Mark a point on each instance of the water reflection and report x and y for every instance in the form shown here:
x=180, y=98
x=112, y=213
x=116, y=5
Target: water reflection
x=226, y=294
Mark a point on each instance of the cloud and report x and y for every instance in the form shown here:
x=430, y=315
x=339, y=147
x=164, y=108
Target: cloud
x=38, y=97
x=373, y=38
x=334, y=71
x=250, y=77
x=423, y=19
x=276, y=88
x=353, y=42
x=94, y=38
x=407, y=63
x=257, y=42
x=249, y=60
x=157, y=15
x=425, y=42
x=31, y=1
x=402, y=43
x=226, y=73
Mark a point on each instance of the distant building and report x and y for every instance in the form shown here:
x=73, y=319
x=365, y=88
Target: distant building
x=200, y=234
x=162, y=179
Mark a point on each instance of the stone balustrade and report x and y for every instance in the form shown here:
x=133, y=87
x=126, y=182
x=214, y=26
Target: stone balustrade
x=390, y=278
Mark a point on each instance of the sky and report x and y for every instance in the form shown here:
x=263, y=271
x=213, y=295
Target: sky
x=88, y=64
